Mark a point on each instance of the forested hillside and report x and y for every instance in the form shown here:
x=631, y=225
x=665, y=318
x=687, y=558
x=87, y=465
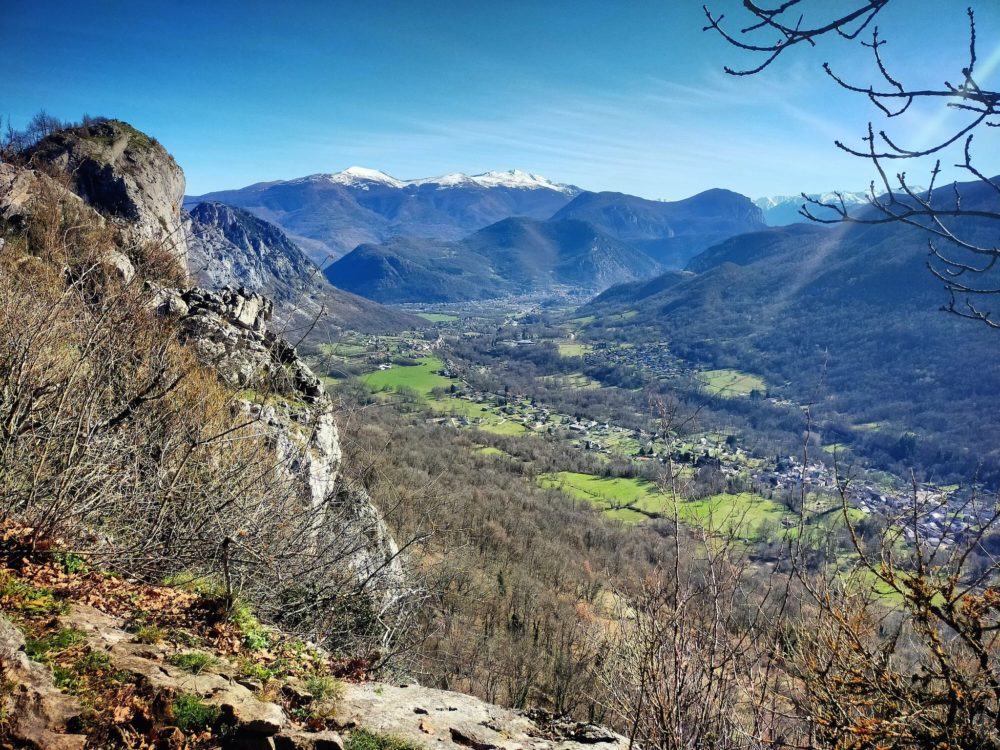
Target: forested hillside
x=844, y=318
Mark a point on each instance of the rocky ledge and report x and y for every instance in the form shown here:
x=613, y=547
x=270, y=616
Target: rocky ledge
x=441, y=719
x=45, y=718
x=228, y=329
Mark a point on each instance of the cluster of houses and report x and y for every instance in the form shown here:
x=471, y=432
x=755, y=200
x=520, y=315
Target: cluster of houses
x=655, y=357
x=940, y=517
x=926, y=513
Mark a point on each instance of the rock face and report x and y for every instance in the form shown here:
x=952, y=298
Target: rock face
x=228, y=246
x=228, y=330
x=38, y=714
x=21, y=192
x=437, y=718
x=124, y=174
x=19, y=189
x=231, y=247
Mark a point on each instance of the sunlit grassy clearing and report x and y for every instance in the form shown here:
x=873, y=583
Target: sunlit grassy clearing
x=574, y=349
x=434, y=317
x=502, y=428
x=610, y=494
x=489, y=450
x=422, y=377
x=731, y=382
x=492, y=421
x=745, y=514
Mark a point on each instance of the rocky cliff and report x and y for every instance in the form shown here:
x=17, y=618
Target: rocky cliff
x=123, y=173
x=110, y=176
x=228, y=329
x=231, y=247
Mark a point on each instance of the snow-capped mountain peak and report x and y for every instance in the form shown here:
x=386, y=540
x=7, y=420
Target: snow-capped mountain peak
x=780, y=210
x=364, y=178
x=517, y=179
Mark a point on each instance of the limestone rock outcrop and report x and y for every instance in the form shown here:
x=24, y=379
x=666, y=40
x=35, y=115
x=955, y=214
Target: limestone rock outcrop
x=123, y=173
x=148, y=664
x=442, y=719
x=228, y=330
x=231, y=247
x=23, y=193
x=228, y=246
x=38, y=715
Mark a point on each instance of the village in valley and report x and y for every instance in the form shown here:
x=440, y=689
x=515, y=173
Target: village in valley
x=765, y=491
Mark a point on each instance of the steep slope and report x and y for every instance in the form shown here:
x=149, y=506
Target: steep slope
x=202, y=424
x=330, y=214
x=230, y=247
x=513, y=256
x=846, y=318
x=670, y=232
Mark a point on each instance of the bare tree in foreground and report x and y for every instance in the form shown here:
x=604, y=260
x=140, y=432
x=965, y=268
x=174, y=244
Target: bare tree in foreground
x=962, y=226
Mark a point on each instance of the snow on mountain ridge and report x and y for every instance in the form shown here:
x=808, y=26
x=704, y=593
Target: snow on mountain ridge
x=851, y=198
x=364, y=178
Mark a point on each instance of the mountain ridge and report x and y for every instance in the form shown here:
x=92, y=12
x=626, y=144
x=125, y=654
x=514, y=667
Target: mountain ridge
x=844, y=317
x=228, y=246
x=671, y=232
x=328, y=215
x=513, y=256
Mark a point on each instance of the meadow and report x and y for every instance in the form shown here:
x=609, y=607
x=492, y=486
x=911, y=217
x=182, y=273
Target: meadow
x=731, y=383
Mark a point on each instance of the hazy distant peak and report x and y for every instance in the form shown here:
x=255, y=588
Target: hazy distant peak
x=850, y=197
x=781, y=210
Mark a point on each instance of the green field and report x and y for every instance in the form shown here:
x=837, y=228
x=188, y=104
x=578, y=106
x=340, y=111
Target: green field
x=745, y=514
x=434, y=317
x=731, y=383
x=573, y=349
x=422, y=377
x=502, y=427
x=492, y=421
x=726, y=512
x=572, y=380
x=610, y=494
x=489, y=450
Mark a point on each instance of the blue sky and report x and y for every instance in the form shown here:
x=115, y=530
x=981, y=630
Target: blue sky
x=607, y=95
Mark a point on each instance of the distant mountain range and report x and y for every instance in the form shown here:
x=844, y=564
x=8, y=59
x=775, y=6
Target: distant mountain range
x=782, y=210
x=460, y=237
x=670, y=232
x=329, y=215
x=846, y=318
x=229, y=246
x=513, y=256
